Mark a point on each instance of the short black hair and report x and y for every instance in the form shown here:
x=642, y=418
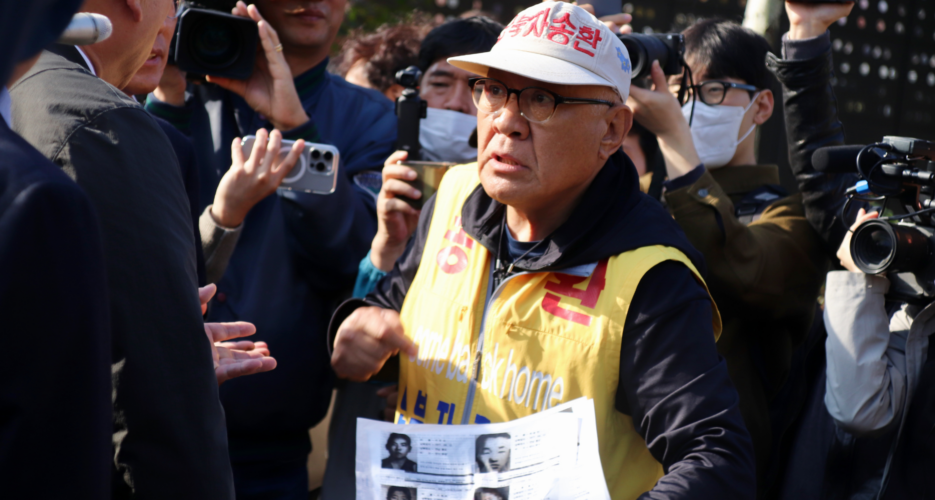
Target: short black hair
x=396, y=435
x=459, y=37
x=727, y=50
x=398, y=489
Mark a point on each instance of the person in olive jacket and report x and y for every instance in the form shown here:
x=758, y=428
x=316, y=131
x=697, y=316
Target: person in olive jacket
x=766, y=263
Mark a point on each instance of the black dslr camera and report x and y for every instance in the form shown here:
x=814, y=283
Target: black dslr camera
x=211, y=42
x=410, y=108
x=668, y=48
x=899, y=174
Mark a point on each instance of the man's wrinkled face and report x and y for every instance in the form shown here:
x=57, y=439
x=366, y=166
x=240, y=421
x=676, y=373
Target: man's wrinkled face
x=399, y=448
x=444, y=86
x=495, y=453
x=147, y=77
x=532, y=165
x=302, y=23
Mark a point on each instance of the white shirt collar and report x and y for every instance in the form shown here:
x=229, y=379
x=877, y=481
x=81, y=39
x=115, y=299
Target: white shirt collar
x=88, y=61
x=5, y=103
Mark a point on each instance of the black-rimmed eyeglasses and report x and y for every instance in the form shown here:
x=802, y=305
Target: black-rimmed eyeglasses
x=713, y=92
x=535, y=104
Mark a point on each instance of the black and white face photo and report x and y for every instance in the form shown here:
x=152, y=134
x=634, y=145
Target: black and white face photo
x=399, y=453
x=493, y=452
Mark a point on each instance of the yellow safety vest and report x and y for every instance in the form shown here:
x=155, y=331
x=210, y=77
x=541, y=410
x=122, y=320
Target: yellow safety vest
x=548, y=338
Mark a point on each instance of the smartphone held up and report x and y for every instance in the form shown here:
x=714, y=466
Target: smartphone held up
x=315, y=172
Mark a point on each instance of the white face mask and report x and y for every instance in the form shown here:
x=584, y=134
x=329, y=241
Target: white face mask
x=444, y=134
x=715, y=129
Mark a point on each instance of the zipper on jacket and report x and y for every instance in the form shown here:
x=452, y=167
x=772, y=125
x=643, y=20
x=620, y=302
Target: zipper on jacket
x=479, y=354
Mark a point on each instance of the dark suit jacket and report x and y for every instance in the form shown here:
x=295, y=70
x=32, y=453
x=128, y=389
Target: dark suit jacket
x=169, y=429
x=408, y=465
x=55, y=409
x=185, y=153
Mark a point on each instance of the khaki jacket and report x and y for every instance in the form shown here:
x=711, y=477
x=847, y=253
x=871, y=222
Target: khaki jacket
x=765, y=277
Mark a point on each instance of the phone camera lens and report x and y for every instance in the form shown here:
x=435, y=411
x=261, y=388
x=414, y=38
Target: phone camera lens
x=316, y=154
x=328, y=155
x=320, y=167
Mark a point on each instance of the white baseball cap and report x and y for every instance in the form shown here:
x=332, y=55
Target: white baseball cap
x=556, y=42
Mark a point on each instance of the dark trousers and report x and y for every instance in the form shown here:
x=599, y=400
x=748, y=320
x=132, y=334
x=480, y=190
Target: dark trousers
x=271, y=480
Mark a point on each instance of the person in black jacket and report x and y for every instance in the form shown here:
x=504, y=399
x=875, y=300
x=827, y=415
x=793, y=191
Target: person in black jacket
x=55, y=385
x=515, y=254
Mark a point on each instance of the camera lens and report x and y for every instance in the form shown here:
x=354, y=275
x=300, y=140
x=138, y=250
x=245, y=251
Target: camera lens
x=328, y=156
x=316, y=154
x=320, y=166
x=878, y=247
x=216, y=44
x=643, y=50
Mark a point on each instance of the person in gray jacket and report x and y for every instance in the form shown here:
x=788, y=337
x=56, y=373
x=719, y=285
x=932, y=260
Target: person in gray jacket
x=876, y=352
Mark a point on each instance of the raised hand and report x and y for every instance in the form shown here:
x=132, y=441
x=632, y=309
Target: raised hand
x=270, y=90
x=618, y=23
x=808, y=20
x=659, y=111
x=248, y=181
x=396, y=219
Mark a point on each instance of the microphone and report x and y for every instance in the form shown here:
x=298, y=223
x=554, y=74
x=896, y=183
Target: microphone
x=86, y=29
x=837, y=159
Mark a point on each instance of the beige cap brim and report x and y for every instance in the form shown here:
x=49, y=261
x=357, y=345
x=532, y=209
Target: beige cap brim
x=535, y=66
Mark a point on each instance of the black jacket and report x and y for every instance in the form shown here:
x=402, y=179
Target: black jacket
x=185, y=153
x=811, y=116
x=169, y=429
x=672, y=381
x=55, y=384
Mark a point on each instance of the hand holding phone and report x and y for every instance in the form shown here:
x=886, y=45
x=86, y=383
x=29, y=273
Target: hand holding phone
x=254, y=174
x=315, y=171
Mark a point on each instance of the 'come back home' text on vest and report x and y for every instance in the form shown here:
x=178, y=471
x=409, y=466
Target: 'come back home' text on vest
x=543, y=338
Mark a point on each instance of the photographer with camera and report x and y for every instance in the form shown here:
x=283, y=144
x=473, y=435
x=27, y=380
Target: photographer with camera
x=765, y=261
x=294, y=253
x=880, y=384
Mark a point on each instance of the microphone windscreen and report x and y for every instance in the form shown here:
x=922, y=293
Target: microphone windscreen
x=86, y=28
x=836, y=159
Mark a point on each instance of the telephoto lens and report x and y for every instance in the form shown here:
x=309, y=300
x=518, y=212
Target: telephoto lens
x=667, y=48
x=880, y=247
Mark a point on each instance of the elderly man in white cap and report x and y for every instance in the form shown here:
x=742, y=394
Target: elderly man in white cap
x=541, y=274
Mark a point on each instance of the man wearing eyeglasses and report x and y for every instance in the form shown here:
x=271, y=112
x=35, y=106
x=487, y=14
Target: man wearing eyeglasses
x=765, y=261
x=541, y=274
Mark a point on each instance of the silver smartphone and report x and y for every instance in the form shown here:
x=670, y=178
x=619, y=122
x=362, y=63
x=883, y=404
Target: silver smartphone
x=315, y=172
